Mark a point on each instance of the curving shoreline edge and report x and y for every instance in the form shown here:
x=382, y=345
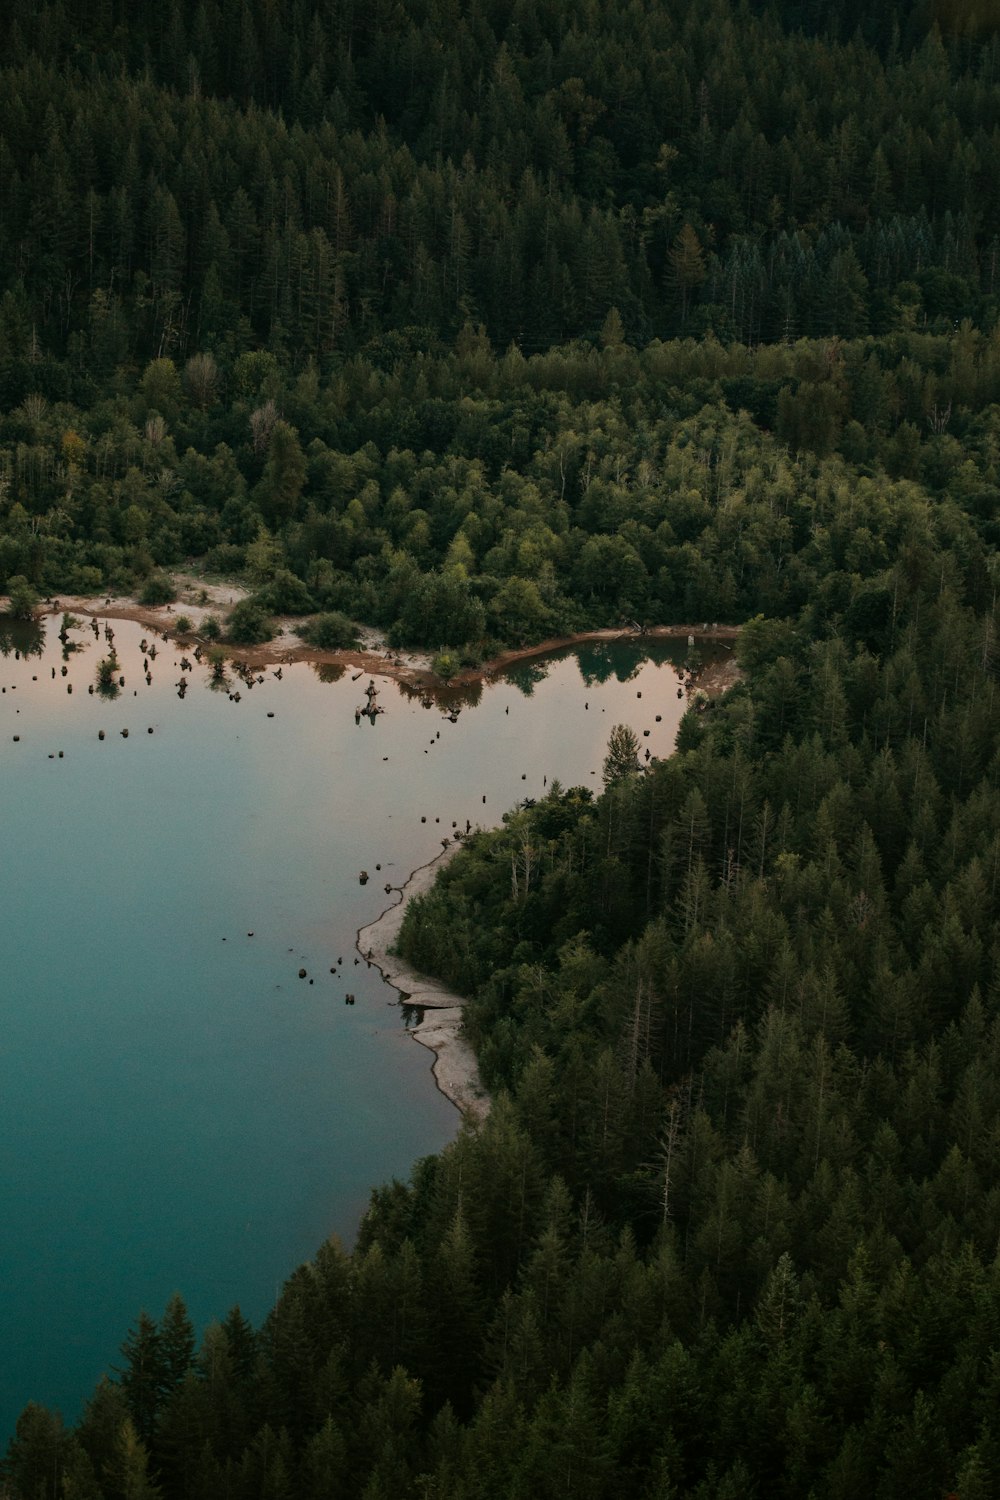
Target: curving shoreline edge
x=412, y=668
x=455, y=1070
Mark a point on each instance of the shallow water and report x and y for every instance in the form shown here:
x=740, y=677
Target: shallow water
x=178, y=1110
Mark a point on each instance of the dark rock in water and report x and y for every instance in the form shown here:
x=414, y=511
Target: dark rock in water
x=363, y=877
x=378, y=867
x=100, y=734
x=645, y=734
x=69, y=687
x=60, y=755
x=150, y=729
x=638, y=695
x=16, y=738
x=90, y=690
x=270, y=716
x=124, y=734
x=659, y=718
x=423, y=820
x=302, y=973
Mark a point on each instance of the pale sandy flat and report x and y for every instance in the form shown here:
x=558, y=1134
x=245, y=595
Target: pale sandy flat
x=455, y=1071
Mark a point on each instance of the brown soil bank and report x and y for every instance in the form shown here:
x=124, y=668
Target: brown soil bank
x=373, y=655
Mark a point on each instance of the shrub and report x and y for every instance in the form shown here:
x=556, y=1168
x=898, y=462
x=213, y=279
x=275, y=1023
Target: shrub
x=211, y=629
x=330, y=632
x=446, y=664
x=183, y=624
x=158, y=589
x=284, y=594
x=249, y=624
x=226, y=558
x=107, y=676
x=22, y=597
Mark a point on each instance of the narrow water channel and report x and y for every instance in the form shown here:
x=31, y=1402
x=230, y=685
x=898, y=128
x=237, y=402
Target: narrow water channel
x=179, y=1111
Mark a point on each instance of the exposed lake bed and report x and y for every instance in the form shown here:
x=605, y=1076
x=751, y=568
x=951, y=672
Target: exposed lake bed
x=179, y=1109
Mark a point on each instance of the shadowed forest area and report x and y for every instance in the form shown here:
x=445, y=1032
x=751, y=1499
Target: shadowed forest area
x=481, y=322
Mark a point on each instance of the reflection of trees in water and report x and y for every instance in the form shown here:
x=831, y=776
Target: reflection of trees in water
x=461, y=694
x=25, y=636
x=329, y=671
x=526, y=675
x=600, y=660
x=446, y=697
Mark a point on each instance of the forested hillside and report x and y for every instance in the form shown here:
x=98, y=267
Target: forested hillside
x=485, y=321
x=418, y=304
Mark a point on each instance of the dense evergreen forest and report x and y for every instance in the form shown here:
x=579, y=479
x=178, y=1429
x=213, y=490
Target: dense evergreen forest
x=480, y=320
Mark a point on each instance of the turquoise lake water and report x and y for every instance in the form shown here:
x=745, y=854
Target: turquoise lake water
x=178, y=1110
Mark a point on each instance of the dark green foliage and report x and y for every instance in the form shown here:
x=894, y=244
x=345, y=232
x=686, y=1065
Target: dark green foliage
x=158, y=589
x=330, y=632
x=284, y=594
x=486, y=323
x=22, y=599
x=107, y=676
x=622, y=758
x=248, y=624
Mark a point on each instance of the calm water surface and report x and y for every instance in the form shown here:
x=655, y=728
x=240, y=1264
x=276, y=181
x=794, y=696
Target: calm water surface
x=178, y=1110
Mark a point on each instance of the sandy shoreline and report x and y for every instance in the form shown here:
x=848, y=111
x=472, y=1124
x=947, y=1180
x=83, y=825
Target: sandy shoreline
x=440, y=1029
x=373, y=655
